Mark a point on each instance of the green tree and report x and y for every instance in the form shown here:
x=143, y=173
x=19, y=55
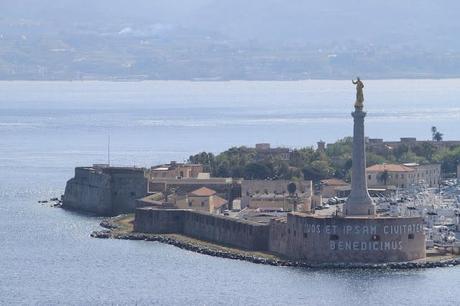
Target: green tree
x=449, y=159
x=372, y=159
x=400, y=151
x=204, y=158
x=425, y=150
x=436, y=135
x=317, y=170
x=256, y=171
x=223, y=170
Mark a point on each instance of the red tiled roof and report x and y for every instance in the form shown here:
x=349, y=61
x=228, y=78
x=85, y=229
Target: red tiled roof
x=390, y=168
x=218, y=201
x=203, y=192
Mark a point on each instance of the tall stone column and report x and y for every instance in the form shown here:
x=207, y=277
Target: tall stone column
x=359, y=203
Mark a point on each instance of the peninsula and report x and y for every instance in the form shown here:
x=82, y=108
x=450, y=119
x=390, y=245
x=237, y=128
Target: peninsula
x=284, y=215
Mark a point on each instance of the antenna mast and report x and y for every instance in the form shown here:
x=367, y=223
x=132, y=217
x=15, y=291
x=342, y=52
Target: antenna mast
x=108, y=150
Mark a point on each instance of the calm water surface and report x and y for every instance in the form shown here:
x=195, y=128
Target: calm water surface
x=47, y=128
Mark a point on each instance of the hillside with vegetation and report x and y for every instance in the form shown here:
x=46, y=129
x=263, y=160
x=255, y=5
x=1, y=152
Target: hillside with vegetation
x=308, y=163
x=228, y=39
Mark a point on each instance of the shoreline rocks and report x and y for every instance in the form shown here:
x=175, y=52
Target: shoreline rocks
x=54, y=202
x=202, y=249
x=108, y=224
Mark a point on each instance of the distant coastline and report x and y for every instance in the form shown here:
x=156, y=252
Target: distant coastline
x=219, y=79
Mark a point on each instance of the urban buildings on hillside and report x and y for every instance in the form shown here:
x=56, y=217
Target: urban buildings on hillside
x=176, y=170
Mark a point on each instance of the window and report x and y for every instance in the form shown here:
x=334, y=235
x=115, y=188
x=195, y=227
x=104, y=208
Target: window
x=333, y=237
x=410, y=236
x=369, y=177
x=189, y=203
x=202, y=203
x=305, y=235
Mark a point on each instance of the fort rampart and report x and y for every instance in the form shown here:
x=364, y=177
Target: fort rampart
x=105, y=190
x=302, y=237
x=351, y=239
x=242, y=234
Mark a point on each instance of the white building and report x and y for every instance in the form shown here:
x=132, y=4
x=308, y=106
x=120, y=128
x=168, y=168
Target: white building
x=404, y=175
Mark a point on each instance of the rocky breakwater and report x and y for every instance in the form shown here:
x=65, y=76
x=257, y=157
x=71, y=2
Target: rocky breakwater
x=121, y=228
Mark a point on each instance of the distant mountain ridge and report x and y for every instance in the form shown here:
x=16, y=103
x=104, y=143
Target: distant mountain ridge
x=222, y=39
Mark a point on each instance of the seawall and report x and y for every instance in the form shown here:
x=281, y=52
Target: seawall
x=355, y=239
x=239, y=233
x=121, y=227
x=301, y=237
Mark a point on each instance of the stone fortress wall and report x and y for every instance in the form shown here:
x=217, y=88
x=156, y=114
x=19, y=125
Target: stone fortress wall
x=89, y=190
x=128, y=185
x=239, y=233
x=105, y=190
x=370, y=240
x=300, y=236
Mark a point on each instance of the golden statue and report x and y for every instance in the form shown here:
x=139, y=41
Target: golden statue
x=359, y=93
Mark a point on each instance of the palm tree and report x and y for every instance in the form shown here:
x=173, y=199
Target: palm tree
x=437, y=136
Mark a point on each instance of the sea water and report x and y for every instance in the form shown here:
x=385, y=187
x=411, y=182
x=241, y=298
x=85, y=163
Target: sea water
x=48, y=128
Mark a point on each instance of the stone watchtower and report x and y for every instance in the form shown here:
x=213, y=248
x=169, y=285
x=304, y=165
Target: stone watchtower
x=359, y=203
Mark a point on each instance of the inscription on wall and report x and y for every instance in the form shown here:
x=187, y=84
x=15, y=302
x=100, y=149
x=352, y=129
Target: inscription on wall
x=363, y=237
